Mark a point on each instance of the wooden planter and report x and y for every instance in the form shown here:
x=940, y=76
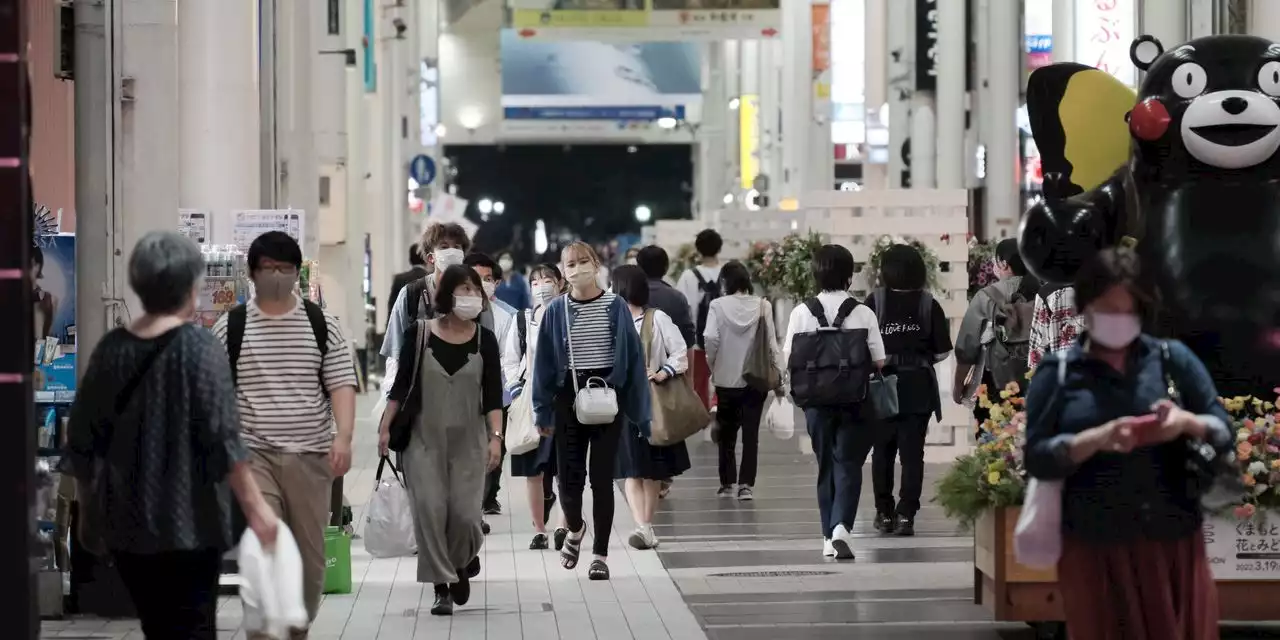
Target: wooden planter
x=1015, y=592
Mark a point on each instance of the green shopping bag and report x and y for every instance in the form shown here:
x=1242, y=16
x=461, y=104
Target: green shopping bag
x=337, y=561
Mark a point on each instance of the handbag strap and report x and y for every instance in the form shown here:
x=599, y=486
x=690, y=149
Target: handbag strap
x=386, y=462
x=568, y=337
x=1166, y=361
x=646, y=336
x=424, y=329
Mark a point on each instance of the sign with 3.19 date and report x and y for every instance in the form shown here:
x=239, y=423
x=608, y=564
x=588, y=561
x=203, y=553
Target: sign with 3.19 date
x=217, y=294
x=1243, y=549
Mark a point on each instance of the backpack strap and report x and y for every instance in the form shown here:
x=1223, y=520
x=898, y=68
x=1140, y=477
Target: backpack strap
x=237, y=317
x=815, y=307
x=846, y=308
x=319, y=326
x=702, y=282
x=522, y=330
x=415, y=293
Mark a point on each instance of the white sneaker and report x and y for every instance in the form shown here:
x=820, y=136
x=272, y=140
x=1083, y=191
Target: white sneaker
x=651, y=537
x=638, y=539
x=828, y=551
x=842, y=542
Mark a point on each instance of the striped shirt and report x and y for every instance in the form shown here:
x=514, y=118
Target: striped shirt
x=282, y=406
x=591, y=332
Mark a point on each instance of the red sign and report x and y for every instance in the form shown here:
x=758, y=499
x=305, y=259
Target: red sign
x=528, y=33
x=769, y=33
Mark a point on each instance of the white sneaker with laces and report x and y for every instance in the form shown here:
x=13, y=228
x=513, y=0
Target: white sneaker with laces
x=828, y=551
x=842, y=542
x=651, y=537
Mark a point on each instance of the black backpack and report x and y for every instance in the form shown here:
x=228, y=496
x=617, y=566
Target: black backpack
x=416, y=291
x=710, y=291
x=830, y=366
x=239, y=316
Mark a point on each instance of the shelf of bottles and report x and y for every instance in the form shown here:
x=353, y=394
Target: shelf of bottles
x=227, y=284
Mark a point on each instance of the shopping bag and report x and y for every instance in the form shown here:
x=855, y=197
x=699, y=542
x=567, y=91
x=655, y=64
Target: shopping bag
x=1037, y=538
x=271, y=588
x=760, y=369
x=522, y=434
x=337, y=560
x=388, y=521
x=882, y=397
x=781, y=418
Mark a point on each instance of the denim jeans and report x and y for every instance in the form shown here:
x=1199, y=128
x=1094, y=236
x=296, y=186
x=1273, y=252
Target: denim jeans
x=841, y=443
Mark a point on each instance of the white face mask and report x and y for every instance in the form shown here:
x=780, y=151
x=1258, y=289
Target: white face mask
x=489, y=288
x=1114, y=330
x=544, y=293
x=581, y=275
x=445, y=258
x=467, y=307
x=506, y=265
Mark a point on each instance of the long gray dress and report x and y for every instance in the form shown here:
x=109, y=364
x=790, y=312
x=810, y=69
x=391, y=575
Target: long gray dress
x=445, y=467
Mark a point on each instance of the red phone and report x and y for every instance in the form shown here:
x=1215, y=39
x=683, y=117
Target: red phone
x=1148, y=421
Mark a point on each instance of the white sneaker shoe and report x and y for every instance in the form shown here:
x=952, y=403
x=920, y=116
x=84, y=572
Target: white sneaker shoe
x=651, y=537
x=828, y=551
x=842, y=542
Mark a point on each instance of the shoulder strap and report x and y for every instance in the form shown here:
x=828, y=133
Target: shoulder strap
x=568, y=337
x=319, y=326
x=702, y=282
x=237, y=317
x=878, y=296
x=415, y=298
x=522, y=330
x=815, y=307
x=420, y=344
x=1166, y=362
x=127, y=391
x=846, y=308
x=646, y=335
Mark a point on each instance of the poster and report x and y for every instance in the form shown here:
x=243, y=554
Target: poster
x=247, y=225
x=1243, y=549
x=53, y=270
x=194, y=224
x=1104, y=30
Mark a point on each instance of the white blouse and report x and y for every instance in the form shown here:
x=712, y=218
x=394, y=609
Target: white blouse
x=514, y=363
x=669, y=350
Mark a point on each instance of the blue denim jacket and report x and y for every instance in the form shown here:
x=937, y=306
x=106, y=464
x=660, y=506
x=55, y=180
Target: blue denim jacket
x=1113, y=497
x=551, y=365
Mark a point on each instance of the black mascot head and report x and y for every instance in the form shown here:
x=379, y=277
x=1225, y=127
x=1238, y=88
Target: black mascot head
x=1193, y=179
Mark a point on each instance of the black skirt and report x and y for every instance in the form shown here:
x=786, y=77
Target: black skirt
x=639, y=459
x=532, y=463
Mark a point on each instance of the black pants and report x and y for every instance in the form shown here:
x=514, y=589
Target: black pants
x=738, y=410
x=903, y=437
x=582, y=452
x=841, y=443
x=176, y=593
x=493, y=481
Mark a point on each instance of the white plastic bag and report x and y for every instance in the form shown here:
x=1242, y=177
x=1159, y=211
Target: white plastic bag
x=522, y=434
x=1037, y=539
x=781, y=418
x=388, y=521
x=271, y=590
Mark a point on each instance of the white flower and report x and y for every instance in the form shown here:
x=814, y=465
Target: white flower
x=1257, y=468
x=1259, y=489
x=1242, y=435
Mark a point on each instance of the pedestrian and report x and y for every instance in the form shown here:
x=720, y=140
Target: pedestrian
x=503, y=316
x=156, y=411
x=457, y=437
x=701, y=286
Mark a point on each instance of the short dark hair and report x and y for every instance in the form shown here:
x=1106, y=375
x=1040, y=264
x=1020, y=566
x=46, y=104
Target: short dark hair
x=438, y=233
x=477, y=259
x=1108, y=268
x=902, y=268
x=632, y=284
x=544, y=270
x=415, y=256
x=1008, y=253
x=736, y=278
x=275, y=245
x=708, y=243
x=450, y=280
x=654, y=261
x=833, y=267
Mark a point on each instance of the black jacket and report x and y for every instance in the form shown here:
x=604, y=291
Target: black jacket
x=665, y=298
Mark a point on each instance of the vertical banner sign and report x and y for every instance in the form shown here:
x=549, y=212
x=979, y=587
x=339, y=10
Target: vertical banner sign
x=749, y=139
x=821, y=64
x=1104, y=31
x=927, y=45
x=370, y=67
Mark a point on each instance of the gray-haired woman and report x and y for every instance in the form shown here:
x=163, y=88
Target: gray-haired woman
x=154, y=445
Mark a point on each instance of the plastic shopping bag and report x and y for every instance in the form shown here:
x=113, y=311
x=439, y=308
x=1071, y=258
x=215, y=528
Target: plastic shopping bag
x=1037, y=538
x=271, y=591
x=388, y=528
x=781, y=418
x=522, y=434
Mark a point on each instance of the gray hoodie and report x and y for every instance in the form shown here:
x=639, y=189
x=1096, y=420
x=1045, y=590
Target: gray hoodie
x=731, y=327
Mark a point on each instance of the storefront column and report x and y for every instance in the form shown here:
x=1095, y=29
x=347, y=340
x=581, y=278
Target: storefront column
x=797, y=97
x=1264, y=19
x=875, y=94
x=733, y=93
x=952, y=61
x=900, y=17
x=819, y=167
x=357, y=166
x=1004, y=45
x=1064, y=30
x=772, y=109
x=299, y=171
x=1165, y=20
x=712, y=166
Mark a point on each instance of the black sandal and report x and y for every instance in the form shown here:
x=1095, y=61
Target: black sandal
x=598, y=570
x=572, y=549
x=539, y=542
x=558, y=537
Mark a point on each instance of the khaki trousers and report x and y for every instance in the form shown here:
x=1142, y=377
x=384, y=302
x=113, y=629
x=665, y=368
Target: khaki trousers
x=297, y=486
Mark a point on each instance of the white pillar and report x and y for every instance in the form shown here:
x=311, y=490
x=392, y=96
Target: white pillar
x=900, y=30
x=876, y=59
x=1165, y=20
x=732, y=90
x=393, y=179
x=329, y=73
x=1004, y=65
x=1064, y=30
x=797, y=97
x=1200, y=18
x=772, y=144
x=952, y=63
x=299, y=171
x=218, y=105
x=357, y=167
x=430, y=16
x=924, y=131
x=712, y=165
x=1264, y=19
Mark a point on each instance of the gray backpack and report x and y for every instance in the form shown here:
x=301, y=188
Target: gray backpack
x=1008, y=351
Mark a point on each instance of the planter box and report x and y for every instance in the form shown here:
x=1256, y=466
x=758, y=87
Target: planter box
x=1016, y=592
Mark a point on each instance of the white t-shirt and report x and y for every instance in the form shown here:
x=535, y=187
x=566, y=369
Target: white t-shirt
x=688, y=285
x=802, y=321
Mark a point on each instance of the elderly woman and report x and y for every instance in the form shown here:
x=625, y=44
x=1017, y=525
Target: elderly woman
x=154, y=444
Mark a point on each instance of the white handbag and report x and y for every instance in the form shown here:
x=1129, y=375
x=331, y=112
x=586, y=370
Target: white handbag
x=1037, y=538
x=595, y=403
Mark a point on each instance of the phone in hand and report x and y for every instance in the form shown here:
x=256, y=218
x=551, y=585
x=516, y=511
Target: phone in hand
x=1142, y=427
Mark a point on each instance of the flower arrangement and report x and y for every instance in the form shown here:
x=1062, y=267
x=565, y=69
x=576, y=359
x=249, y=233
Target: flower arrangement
x=932, y=265
x=785, y=268
x=981, y=267
x=1254, y=422
x=993, y=475
x=686, y=258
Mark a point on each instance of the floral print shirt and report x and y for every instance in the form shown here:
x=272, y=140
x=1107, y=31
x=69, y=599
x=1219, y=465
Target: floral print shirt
x=1055, y=325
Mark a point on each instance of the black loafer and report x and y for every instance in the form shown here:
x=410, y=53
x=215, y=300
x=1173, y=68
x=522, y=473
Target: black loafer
x=461, y=590
x=472, y=569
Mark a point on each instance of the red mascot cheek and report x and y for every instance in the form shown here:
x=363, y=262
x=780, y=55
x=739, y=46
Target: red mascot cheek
x=1149, y=120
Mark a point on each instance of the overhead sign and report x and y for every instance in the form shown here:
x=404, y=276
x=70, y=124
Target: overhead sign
x=422, y=169
x=749, y=139
x=744, y=18
x=927, y=45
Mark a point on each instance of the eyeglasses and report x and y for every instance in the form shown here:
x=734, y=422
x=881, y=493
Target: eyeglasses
x=284, y=270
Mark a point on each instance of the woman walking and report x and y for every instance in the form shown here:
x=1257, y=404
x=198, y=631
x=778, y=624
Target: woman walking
x=732, y=322
x=916, y=337
x=1114, y=419
x=156, y=412
x=644, y=466
x=587, y=340
x=454, y=443
x=537, y=467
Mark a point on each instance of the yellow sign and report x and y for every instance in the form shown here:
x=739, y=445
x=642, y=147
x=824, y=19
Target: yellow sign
x=532, y=18
x=749, y=139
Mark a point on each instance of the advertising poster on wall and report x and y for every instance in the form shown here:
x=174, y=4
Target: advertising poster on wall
x=53, y=270
x=1104, y=31
x=598, y=81
x=698, y=19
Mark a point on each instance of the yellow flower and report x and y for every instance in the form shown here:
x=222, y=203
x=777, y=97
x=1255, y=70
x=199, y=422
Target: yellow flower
x=1275, y=464
x=1249, y=480
x=993, y=477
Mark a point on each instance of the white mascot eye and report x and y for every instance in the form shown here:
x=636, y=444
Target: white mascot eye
x=1189, y=80
x=1269, y=78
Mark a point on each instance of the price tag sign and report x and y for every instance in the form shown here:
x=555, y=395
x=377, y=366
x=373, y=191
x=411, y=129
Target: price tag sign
x=218, y=294
x=1243, y=549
